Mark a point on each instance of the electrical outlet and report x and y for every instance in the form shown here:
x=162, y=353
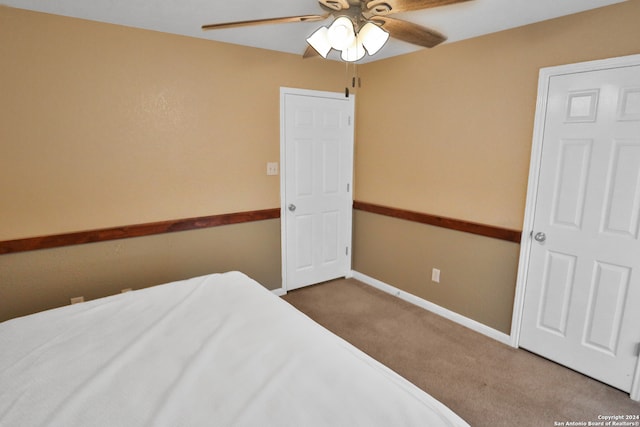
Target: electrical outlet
x=77, y=300
x=435, y=275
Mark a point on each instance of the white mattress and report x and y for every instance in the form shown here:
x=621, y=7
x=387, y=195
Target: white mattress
x=217, y=350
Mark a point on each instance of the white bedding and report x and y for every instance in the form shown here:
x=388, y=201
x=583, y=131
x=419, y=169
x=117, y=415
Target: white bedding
x=217, y=350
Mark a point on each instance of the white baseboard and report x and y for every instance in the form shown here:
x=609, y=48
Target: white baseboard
x=434, y=308
x=278, y=292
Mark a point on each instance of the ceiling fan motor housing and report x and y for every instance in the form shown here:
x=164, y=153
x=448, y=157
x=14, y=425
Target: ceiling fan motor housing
x=373, y=7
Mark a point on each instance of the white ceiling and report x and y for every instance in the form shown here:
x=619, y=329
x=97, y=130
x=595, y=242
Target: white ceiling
x=185, y=17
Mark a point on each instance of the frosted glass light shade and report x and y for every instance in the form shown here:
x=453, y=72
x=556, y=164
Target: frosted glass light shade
x=341, y=33
x=320, y=41
x=354, y=52
x=372, y=37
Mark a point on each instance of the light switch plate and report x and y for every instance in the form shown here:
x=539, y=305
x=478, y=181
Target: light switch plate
x=272, y=168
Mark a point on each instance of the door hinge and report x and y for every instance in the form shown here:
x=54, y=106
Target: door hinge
x=348, y=187
x=349, y=120
x=346, y=251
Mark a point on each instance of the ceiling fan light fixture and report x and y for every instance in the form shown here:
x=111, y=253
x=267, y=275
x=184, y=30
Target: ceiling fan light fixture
x=319, y=40
x=372, y=37
x=341, y=33
x=354, y=52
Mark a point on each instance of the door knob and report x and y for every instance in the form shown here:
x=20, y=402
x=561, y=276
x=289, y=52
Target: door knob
x=540, y=237
x=292, y=207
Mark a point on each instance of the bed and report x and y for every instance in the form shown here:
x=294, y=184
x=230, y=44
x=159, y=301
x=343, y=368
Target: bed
x=216, y=350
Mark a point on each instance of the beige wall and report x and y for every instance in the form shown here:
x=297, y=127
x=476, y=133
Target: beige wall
x=102, y=126
x=477, y=273
x=39, y=280
x=448, y=132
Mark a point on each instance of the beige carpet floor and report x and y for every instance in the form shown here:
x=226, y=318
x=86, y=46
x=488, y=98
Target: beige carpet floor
x=487, y=383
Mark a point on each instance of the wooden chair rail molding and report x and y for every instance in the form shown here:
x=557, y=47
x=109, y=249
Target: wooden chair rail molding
x=137, y=230
x=149, y=229
x=453, y=224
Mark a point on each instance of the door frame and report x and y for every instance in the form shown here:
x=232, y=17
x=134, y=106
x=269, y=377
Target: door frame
x=534, y=177
x=284, y=91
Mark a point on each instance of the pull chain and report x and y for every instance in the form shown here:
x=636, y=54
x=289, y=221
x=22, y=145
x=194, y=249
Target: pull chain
x=356, y=82
x=346, y=75
x=355, y=74
x=356, y=78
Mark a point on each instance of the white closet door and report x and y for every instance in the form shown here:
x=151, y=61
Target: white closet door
x=582, y=300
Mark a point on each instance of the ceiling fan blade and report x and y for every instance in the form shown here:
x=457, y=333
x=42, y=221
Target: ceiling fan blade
x=409, y=32
x=387, y=7
x=283, y=20
x=310, y=52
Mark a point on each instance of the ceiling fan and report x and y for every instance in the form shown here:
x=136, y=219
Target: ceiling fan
x=359, y=26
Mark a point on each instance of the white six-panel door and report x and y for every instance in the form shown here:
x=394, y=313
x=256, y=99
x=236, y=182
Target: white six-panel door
x=582, y=301
x=317, y=164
